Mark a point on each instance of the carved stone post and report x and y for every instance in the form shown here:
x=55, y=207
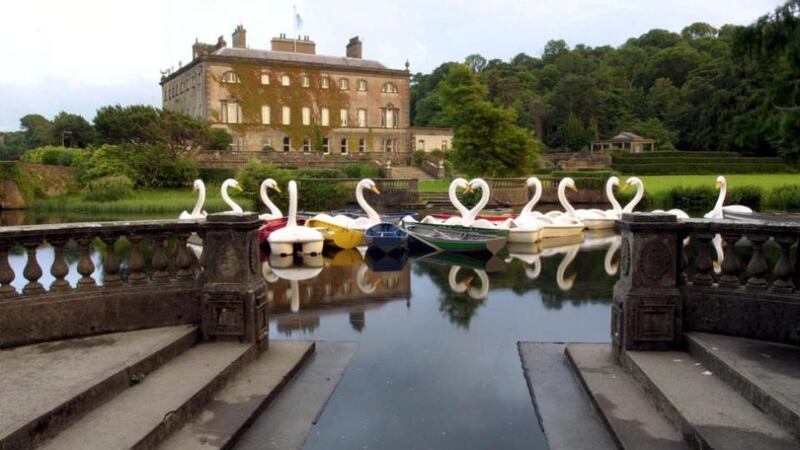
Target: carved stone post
x=647, y=307
x=234, y=293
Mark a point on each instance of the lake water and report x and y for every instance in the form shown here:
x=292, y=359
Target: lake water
x=437, y=365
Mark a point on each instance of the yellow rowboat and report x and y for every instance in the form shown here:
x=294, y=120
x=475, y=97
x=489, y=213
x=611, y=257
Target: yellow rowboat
x=344, y=238
x=561, y=231
x=561, y=241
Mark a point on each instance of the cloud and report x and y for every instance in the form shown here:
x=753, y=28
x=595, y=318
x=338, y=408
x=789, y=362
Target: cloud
x=83, y=54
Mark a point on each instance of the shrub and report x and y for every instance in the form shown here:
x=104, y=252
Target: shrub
x=418, y=155
x=255, y=172
x=108, y=189
x=784, y=198
x=361, y=171
x=219, y=139
x=149, y=166
x=318, y=173
x=55, y=156
x=321, y=195
x=215, y=175
x=751, y=196
x=692, y=198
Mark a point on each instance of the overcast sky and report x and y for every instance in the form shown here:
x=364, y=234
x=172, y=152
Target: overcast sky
x=81, y=54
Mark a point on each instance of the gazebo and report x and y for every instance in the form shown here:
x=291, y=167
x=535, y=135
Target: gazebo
x=627, y=141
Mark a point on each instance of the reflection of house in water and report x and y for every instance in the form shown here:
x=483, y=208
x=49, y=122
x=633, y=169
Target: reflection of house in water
x=352, y=286
x=288, y=323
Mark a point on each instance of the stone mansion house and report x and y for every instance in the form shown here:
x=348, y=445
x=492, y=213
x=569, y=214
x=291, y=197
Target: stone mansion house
x=282, y=103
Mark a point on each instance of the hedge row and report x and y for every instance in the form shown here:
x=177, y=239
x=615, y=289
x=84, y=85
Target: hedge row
x=703, y=168
x=673, y=154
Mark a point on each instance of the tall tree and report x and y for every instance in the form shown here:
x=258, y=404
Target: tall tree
x=72, y=130
x=38, y=131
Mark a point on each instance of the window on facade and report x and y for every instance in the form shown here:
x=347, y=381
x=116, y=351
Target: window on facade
x=326, y=117
x=362, y=118
x=265, y=114
x=231, y=111
x=344, y=84
x=343, y=117
x=362, y=145
x=306, y=115
x=325, y=82
x=264, y=78
x=287, y=143
x=266, y=144
x=389, y=88
x=389, y=145
x=326, y=145
x=286, y=115
x=305, y=81
x=343, y=146
x=230, y=77
x=362, y=85
x=421, y=144
x=389, y=117
x=306, y=145
x=285, y=81
x=237, y=143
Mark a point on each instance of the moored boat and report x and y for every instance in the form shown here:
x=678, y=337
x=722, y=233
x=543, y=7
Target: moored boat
x=454, y=239
x=386, y=237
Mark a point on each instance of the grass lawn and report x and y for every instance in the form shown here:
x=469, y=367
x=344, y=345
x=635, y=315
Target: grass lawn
x=658, y=184
x=434, y=185
x=165, y=202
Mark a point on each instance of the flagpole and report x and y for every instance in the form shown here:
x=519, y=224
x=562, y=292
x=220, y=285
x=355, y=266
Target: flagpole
x=294, y=19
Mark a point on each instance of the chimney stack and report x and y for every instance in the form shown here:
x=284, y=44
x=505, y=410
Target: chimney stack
x=354, y=48
x=239, y=37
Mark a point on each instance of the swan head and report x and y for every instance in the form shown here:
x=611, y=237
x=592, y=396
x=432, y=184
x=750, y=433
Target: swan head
x=369, y=184
x=231, y=183
x=532, y=181
x=460, y=183
x=269, y=183
x=613, y=181
x=569, y=183
x=633, y=181
x=720, y=182
x=475, y=184
x=198, y=185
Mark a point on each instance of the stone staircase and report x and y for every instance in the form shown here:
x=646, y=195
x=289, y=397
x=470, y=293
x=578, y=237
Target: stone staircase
x=722, y=392
x=435, y=199
x=154, y=388
x=410, y=172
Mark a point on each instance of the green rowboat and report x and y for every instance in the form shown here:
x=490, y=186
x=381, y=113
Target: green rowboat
x=453, y=239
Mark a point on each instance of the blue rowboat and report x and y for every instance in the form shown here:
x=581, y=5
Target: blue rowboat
x=386, y=236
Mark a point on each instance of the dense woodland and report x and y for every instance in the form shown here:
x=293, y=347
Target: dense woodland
x=734, y=88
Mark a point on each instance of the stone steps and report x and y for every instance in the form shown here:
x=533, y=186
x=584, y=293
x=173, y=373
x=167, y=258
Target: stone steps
x=707, y=411
x=632, y=419
x=147, y=413
x=767, y=374
x=52, y=385
x=225, y=418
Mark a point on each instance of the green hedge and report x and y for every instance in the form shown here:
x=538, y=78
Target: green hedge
x=109, y=189
x=215, y=175
x=705, y=197
x=784, y=198
x=673, y=154
x=699, y=168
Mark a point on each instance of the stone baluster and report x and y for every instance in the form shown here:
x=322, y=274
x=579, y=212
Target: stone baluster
x=683, y=261
x=730, y=262
x=184, y=260
x=783, y=270
x=136, y=262
x=111, y=276
x=160, y=262
x=32, y=271
x=703, y=264
x=6, y=273
x=60, y=269
x=757, y=267
x=85, y=263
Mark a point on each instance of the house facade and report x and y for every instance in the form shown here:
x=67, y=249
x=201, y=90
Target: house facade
x=289, y=100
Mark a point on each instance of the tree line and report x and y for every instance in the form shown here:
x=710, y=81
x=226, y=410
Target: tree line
x=115, y=125
x=733, y=88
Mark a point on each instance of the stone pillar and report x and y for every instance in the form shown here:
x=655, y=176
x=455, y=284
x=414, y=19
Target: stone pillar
x=647, y=307
x=234, y=301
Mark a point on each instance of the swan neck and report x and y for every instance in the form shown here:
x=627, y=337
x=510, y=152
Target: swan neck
x=292, y=220
x=473, y=213
x=227, y=199
x=723, y=191
x=562, y=198
x=451, y=192
x=636, y=199
x=537, y=194
x=610, y=194
x=201, y=199
x=273, y=210
x=372, y=215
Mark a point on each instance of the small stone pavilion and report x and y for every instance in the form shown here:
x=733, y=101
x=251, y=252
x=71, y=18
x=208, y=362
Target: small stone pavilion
x=626, y=141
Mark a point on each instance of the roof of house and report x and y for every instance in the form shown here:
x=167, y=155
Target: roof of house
x=628, y=136
x=269, y=55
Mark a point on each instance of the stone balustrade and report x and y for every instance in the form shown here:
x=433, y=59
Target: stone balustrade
x=735, y=277
x=116, y=276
